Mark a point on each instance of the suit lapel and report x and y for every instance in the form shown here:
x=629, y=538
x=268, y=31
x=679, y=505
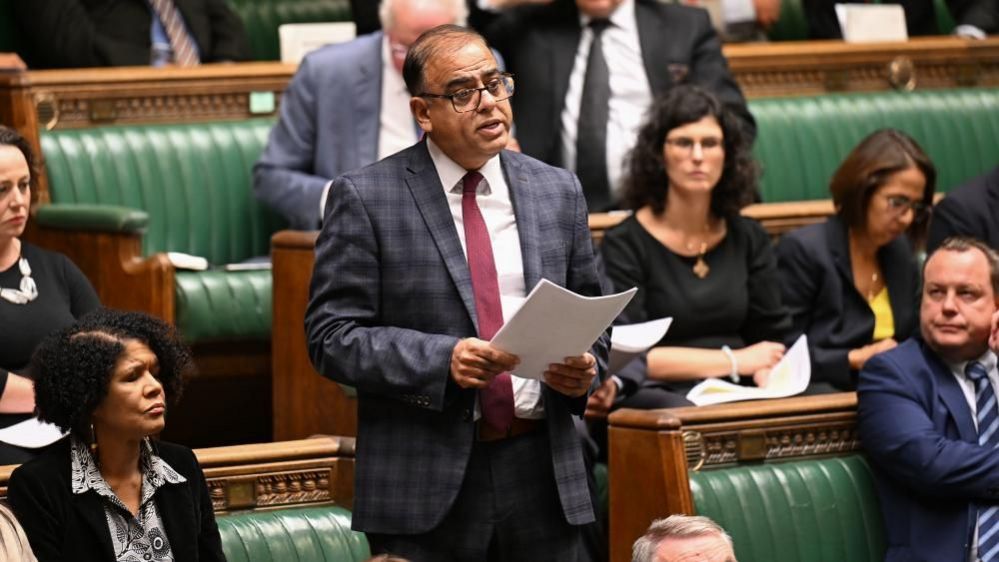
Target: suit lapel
x=563, y=43
x=839, y=246
x=951, y=395
x=891, y=258
x=654, y=54
x=428, y=193
x=524, y=209
x=367, y=102
x=89, y=508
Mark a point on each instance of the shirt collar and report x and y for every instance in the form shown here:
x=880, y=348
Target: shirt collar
x=87, y=477
x=987, y=359
x=623, y=16
x=450, y=172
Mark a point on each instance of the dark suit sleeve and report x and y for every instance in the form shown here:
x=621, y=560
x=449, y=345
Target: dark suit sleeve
x=228, y=41
x=800, y=281
x=82, y=296
x=902, y=439
x=950, y=218
x=346, y=342
x=283, y=178
x=709, y=68
x=766, y=319
x=39, y=507
x=983, y=14
x=209, y=540
x=61, y=34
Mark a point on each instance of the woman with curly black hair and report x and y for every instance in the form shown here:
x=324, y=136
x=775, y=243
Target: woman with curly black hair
x=40, y=291
x=108, y=492
x=691, y=254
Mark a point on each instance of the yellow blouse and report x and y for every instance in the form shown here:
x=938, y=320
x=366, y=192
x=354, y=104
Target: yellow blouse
x=884, y=322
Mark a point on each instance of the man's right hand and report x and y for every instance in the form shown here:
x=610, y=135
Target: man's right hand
x=475, y=362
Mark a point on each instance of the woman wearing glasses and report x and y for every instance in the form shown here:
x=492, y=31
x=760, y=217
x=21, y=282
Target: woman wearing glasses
x=851, y=283
x=692, y=255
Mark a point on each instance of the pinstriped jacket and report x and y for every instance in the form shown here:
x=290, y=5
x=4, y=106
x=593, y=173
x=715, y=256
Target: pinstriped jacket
x=391, y=295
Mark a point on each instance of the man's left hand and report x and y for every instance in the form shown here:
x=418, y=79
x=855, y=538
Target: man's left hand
x=994, y=338
x=574, y=377
x=599, y=403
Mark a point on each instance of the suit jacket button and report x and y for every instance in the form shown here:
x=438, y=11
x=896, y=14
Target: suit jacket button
x=466, y=414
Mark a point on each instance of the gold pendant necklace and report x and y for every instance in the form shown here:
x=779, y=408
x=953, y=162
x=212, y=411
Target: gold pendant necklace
x=701, y=268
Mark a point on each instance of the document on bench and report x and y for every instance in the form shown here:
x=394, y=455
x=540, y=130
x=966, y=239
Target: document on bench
x=555, y=323
x=789, y=376
x=31, y=434
x=630, y=340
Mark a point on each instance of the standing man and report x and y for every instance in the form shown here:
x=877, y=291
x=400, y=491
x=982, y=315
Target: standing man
x=581, y=100
x=928, y=418
x=456, y=459
x=346, y=107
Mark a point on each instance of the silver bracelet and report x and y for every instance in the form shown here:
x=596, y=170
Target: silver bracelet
x=734, y=375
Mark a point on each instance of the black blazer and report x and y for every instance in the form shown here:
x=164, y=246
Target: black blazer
x=84, y=33
x=971, y=210
x=817, y=289
x=538, y=44
x=63, y=526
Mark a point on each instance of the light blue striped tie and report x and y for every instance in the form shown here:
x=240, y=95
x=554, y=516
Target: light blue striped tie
x=988, y=423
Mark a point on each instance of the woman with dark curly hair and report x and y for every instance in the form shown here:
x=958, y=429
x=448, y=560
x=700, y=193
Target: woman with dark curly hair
x=40, y=291
x=108, y=492
x=852, y=283
x=690, y=253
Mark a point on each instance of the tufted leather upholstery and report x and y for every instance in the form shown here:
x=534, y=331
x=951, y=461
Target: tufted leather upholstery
x=802, y=140
x=193, y=180
x=262, y=18
x=804, y=511
x=318, y=534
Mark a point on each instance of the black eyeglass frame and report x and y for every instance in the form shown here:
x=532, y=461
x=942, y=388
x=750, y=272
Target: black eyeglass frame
x=505, y=78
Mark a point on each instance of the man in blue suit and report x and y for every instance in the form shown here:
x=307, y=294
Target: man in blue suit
x=927, y=416
x=346, y=107
x=418, y=257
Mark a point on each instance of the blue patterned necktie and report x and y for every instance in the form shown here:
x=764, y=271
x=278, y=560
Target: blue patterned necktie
x=987, y=415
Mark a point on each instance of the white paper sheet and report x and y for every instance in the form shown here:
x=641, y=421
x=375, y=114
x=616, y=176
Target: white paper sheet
x=871, y=23
x=629, y=340
x=789, y=376
x=31, y=434
x=555, y=323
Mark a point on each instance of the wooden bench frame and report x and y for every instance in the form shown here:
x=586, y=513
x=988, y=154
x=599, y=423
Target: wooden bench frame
x=652, y=452
x=267, y=476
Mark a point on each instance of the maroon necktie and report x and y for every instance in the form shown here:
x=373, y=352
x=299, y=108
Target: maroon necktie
x=496, y=399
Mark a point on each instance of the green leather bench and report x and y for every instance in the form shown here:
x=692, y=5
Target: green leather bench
x=802, y=140
x=312, y=534
x=186, y=188
x=802, y=511
x=263, y=17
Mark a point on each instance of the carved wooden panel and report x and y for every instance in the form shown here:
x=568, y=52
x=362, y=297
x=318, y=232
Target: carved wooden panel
x=713, y=450
x=298, y=487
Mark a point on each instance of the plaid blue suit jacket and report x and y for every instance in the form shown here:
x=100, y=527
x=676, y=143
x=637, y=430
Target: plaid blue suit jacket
x=391, y=295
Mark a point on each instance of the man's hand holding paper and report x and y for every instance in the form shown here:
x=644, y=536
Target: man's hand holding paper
x=475, y=362
x=574, y=377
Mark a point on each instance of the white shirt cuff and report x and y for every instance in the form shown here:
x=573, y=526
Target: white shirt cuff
x=965, y=30
x=322, y=200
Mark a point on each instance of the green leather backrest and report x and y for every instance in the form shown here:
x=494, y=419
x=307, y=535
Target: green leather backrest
x=802, y=140
x=791, y=25
x=194, y=180
x=318, y=534
x=804, y=511
x=262, y=18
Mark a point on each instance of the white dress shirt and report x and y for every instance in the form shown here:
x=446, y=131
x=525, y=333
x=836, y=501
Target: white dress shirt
x=988, y=360
x=630, y=95
x=493, y=198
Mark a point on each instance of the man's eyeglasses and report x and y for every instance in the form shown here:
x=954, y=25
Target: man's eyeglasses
x=898, y=204
x=685, y=144
x=468, y=99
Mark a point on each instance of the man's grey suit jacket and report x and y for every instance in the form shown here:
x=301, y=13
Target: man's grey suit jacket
x=391, y=295
x=328, y=126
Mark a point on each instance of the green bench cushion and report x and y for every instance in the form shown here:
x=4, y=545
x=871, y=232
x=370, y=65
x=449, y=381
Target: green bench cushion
x=263, y=17
x=317, y=534
x=805, y=511
x=224, y=305
x=802, y=140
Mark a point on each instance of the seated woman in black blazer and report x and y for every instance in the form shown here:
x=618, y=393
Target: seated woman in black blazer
x=108, y=492
x=851, y=283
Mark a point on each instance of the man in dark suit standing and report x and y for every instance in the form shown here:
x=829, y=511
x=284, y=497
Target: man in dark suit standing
x=928, y=418
x=968, y=210
x=84, y=33
x=420, y=256
x=580, y=107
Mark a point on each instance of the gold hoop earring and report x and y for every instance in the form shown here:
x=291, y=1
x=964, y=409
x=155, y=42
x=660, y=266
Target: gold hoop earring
x=93, y=441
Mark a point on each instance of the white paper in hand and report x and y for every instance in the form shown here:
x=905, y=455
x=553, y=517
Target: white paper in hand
x=629, y=340
x=555, y=323
x=789, y=376
x=31, y=434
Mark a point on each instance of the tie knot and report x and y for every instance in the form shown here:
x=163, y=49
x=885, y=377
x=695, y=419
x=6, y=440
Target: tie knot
x=470, y=182
x=976, y=371
x=599, y=25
